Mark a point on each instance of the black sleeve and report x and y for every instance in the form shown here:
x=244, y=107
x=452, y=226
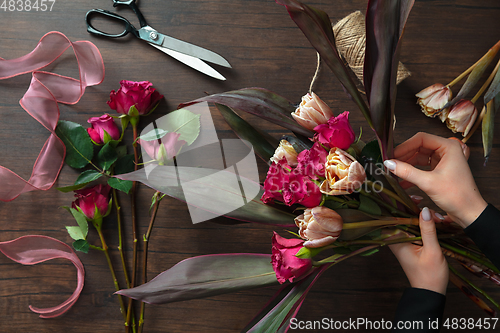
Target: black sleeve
x=485, y=232
x=419, y=310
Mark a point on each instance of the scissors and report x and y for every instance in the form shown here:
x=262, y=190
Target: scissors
x=189, y=54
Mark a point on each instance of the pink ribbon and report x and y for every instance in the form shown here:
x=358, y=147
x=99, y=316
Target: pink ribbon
x=34, y=249
x=41, y=102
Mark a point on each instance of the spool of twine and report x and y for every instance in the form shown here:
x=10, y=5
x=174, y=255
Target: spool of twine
x=350, y=37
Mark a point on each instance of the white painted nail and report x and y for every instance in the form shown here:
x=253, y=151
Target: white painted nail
x=389, y=164
x=426, y=214
x=439, y=216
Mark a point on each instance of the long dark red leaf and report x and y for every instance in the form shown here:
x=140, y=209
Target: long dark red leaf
x=317, y=27
x=260, y=102
x=385, y=21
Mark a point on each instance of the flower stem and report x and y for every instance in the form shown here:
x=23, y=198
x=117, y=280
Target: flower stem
x=473, y=286
x=145, y=256
x=120, y=237
x=392, y=210
x=486, y=84
x=387, y=192
x=134, y=230
x=110, y=264
x=381, y=223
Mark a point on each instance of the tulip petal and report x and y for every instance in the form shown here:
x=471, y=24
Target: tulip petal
x=34, y=249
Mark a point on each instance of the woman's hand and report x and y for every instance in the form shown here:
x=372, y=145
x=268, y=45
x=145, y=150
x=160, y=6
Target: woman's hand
x=449, y=182
x=425, y=266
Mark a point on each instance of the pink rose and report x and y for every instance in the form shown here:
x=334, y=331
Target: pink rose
x=138, y=94
x=289, y=186
x=163, y=150
x=93, y=202
x=286, y=265
x=336, y=133
x=102, y=125
x=311, y=162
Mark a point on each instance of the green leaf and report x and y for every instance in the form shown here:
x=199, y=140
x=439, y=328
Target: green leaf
x=121, y=151
x=369, y=253
x=154, y=134
x=260, y=102
x=80, y=219
x=488, y=128
x=75, y=232
x=66, y=189
x=121, y=185
x=317, y=27
x=385, y=22
x=79, y=147
x=205, y=276
x=306, y=252
x=369, y=206
x=181, y=121
x=371, y=152
x=81, y=245
x=124, y=164
x=86, y=177
x=247, y=132
x=106, y=157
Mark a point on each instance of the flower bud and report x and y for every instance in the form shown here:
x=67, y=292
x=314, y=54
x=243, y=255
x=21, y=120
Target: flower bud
x=312, y=112
x=320, y=226
x=433, y=98
x=163, y=150
x=461, y=117
x=134, y=98
x=285, y=264
x=93, y=202
x=103, y=129
x=343, y=173
x=285, y=149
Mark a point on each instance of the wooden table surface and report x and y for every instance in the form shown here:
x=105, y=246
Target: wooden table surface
x=266, y=49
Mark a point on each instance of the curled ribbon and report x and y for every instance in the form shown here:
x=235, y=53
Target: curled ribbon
x=41, y=100
x=34, y=249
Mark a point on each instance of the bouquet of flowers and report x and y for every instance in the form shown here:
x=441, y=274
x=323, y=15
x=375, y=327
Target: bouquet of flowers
x=322, y=176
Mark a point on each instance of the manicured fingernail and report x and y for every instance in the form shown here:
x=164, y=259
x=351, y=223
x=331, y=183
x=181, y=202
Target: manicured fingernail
x=439, y=216
x=417, y=197
x=389, y=164
x=426, y=214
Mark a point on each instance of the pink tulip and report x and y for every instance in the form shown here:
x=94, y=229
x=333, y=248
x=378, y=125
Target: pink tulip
x=312, y=112
x=100, y=126
x=461, y=117
x=163, y=150
x=93, y=202
x=433, y=98
x=285, y=264
x=336, y=133
x=138, y=94
x=320, y=226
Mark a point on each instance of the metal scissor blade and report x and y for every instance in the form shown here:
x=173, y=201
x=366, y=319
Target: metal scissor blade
x=193, y=62
x=193, y=50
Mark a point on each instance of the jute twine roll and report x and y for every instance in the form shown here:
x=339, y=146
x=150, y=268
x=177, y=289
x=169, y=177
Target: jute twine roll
x=350, y=37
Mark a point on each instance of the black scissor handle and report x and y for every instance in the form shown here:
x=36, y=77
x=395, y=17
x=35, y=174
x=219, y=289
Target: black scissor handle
x=90, y=28
x=132, y=5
